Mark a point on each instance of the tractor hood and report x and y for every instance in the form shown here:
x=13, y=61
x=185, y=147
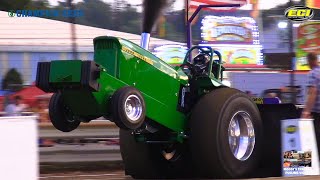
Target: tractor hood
x=118, y=49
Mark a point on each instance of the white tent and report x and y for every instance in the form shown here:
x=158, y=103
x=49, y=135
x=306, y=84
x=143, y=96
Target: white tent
x=40, y=34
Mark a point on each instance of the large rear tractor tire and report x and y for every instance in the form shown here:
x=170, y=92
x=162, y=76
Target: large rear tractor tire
x=140, y=159
x=153, y=161
x=60, y=115
x=225, y=135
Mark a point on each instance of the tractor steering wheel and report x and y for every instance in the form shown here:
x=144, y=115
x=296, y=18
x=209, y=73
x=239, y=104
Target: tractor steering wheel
x=205, y=50
x=192, y=69
x=214, y=68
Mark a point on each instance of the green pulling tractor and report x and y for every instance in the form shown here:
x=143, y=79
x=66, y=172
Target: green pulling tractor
x=174, y=121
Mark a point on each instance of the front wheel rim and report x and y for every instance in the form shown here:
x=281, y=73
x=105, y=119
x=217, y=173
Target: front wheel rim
x=133, y=107
x=241, y=135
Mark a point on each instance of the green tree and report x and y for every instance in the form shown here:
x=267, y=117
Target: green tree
x=12, y=80
x=6, y=5
x=96, y=13
x=128, y=20
x=36, y=4
x=175, y=26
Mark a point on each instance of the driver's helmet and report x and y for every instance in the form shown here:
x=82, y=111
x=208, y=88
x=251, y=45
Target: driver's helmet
x=200, y=62
x=201, y=58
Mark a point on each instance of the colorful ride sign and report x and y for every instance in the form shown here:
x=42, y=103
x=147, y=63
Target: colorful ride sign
x=171, y=53
x=228, y=29
x=308, y=40
x=236, y=38
x=239, y=55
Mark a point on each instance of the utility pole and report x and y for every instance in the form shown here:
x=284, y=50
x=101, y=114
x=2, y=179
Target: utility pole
x=118, y=6
x=292, y=54
x=72, y=20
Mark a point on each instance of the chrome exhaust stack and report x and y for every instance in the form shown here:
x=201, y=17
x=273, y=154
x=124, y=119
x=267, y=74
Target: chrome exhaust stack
x=145, y=39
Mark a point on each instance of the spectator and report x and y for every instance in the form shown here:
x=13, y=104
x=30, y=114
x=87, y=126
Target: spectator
x=249, y=93
x=15, y=107
x=287, y=164
x=273, y=95
x=1, y=105
x=42, y=111
x=312, y=104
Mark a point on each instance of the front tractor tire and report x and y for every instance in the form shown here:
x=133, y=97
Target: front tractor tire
x=60, y=115
x=128, y=108
x=225, y=135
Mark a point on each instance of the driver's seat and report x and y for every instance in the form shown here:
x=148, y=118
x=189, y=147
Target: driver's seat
x=215, y=68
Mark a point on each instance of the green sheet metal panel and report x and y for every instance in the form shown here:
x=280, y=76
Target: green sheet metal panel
x=65, y=71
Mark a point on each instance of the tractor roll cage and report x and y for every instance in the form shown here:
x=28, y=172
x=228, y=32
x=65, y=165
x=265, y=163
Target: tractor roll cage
x=189, y=21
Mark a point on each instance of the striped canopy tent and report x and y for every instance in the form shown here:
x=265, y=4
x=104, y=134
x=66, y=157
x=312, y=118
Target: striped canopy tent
x=29, y=94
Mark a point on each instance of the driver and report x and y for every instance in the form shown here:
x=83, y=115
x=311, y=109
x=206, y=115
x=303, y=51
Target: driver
x=201, y=62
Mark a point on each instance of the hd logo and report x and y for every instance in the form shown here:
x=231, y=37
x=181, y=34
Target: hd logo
x=299, y=13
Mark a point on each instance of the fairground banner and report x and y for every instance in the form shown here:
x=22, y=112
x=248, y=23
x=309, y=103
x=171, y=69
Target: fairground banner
x=314, y=4
x=308, y=40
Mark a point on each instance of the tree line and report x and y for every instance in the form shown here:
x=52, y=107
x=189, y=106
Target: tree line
x=124, y=17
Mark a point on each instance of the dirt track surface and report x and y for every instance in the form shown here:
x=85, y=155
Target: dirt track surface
x=116, y=174
x=119, y=174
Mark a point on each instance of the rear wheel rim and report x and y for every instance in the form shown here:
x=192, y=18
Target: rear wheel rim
x=241, y=135
x=133, y=107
